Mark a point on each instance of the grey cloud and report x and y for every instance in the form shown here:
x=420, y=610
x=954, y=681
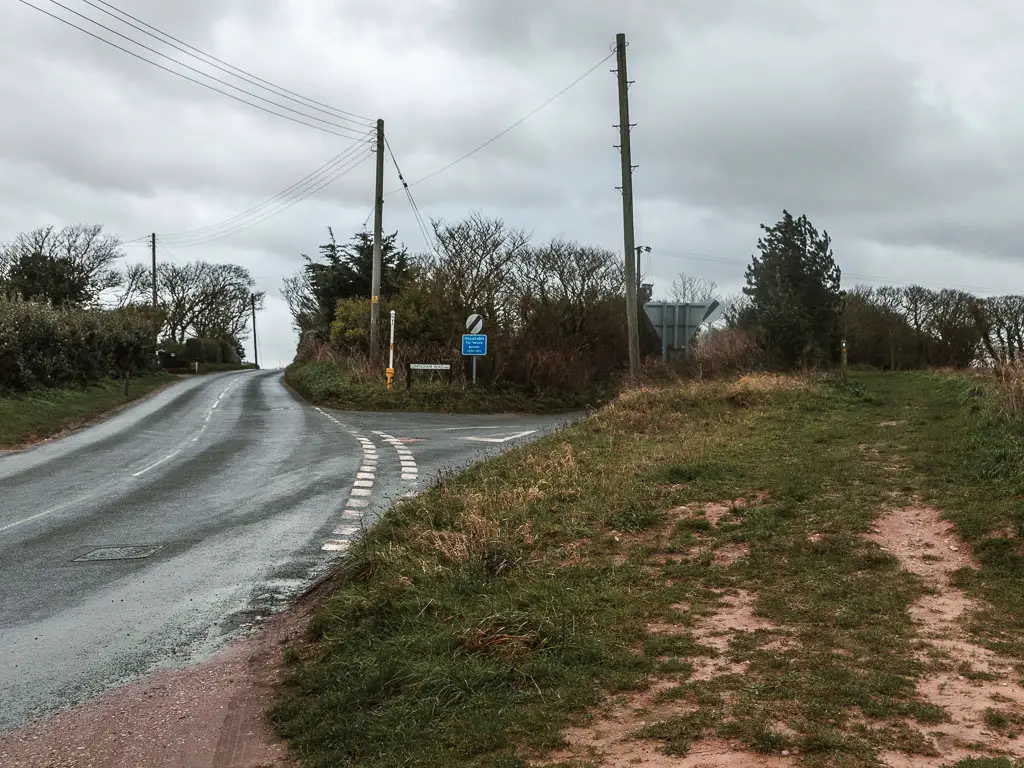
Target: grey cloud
x=895, y=126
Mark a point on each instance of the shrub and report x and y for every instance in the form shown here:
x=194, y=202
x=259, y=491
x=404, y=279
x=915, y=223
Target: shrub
x=41, y=346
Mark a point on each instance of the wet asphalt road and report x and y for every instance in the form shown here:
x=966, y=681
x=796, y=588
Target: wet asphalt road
x=151, y=538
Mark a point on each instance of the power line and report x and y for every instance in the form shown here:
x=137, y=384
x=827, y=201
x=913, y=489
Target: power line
x=855, y=275
x=281, y=208
x=287, y=192
x=71, y=24
x=510, y=128
x=200, y=72
x=424, y=230
x=189, y=241
x=223, y=66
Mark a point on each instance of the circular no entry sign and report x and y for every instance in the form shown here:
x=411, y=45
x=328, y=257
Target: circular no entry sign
x=475, y=323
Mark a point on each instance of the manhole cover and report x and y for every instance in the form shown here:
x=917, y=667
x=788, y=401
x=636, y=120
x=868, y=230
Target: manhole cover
x=118, y=553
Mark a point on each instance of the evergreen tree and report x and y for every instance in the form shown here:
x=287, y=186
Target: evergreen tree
x=37, y=276
x=347, y=271
x=795, y=298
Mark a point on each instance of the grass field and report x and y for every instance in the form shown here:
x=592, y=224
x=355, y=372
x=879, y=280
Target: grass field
x=708, y=560
x=38, y=415
x=331, y=384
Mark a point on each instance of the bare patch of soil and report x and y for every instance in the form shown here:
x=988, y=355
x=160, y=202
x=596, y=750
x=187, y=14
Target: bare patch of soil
x=976, y=687
x=207, y=716
x=610, y=738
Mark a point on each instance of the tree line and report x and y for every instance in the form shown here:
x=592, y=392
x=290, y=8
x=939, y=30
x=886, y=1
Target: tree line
x=62, y=287
x=555, y=311
x=795, y=312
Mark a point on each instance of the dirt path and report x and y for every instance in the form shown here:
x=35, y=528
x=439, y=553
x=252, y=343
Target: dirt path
x=207, y=716
x=979, y=689
x=614, y=738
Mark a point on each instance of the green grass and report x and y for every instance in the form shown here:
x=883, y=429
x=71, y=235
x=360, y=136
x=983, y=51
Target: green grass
x=330, y=384
x=474, y=623
x=37, y=415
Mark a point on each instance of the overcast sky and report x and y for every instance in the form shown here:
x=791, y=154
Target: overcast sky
x=896, y=125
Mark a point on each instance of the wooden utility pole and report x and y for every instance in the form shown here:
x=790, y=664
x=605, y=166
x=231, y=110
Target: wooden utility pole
x=378, y=224
x=255, y=346
x=153, y=252
x=627, y=208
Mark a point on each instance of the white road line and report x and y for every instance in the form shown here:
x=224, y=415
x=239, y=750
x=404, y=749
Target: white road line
x=359, y=494
x=193, y=439
x=410, y=472
x=516, y=436
x=38, y=515
x=156, y=464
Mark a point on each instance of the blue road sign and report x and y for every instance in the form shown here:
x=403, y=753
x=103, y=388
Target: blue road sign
x=474, y=344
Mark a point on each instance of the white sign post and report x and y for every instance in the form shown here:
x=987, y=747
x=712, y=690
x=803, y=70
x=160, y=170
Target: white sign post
x=391, y=352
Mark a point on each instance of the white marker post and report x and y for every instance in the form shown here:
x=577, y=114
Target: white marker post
x=390, y=373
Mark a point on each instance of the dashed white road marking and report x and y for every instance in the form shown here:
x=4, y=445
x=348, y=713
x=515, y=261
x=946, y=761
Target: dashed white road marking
x=194, y=438
x=52, y=511
x=410, y=472
x=359, y=495
x=156, y=464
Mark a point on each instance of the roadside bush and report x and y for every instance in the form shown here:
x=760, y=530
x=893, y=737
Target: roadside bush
x=41, y=346
x=724, y=353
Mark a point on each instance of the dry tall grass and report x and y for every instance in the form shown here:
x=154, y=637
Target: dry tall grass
x=1009, y=379
x=724, y=353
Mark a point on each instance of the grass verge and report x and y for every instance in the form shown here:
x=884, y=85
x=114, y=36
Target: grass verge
x=330, y=384
x=41, y=414
x=473, y=624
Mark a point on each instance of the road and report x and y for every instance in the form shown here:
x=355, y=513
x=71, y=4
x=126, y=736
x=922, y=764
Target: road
x=151, y=538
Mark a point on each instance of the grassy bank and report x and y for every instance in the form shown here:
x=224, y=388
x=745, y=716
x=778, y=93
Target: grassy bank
x=333, y=385
x=41, y=414
x=475, y=623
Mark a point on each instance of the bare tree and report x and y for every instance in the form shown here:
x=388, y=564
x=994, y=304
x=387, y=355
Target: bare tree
x=688, y=289
x=197, y=299
x=302, y=304
x=579, y=274
x=224, y=302
x=734, y=309
x=475, y=264
x=89, y=254
x=137, y=286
